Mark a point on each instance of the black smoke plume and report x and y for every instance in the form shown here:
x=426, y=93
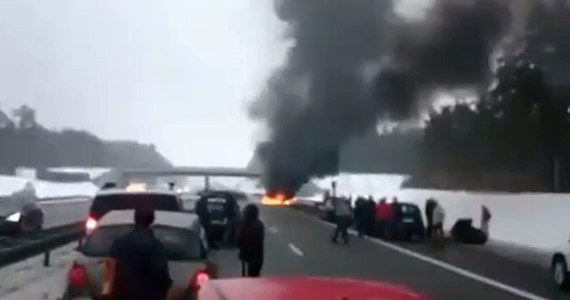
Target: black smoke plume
x=326, y=93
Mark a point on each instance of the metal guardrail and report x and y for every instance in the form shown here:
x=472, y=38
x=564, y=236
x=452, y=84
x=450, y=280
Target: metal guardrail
x=23, y=247
x=15, y=248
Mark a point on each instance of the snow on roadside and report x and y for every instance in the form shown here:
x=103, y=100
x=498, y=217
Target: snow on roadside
x=46, y=189
x=29, y=279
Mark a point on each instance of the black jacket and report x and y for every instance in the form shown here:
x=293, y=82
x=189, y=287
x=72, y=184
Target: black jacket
x=230, y=208
x=201, y=209
x=250, y=242
x=142, y=267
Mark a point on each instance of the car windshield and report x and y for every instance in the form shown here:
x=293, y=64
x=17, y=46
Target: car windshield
x=409, y=210
x=106, y=203
x=180, y=244
x=216, y=204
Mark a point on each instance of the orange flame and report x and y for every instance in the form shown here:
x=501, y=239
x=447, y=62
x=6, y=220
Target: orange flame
x=278, y=199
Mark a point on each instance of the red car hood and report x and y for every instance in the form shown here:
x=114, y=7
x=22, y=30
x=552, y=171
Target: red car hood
x=303, y=288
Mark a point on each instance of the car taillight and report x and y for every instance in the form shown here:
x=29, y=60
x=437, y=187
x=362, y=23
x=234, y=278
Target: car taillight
x=91, y=224
x=199, y=279
x=77, y=275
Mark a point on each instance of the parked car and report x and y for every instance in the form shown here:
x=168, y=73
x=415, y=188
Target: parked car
x=180, y=233
x=559, y=266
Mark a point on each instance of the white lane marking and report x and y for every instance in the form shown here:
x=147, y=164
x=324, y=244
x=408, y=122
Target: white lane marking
x=273, y=229
x=295, y=249
x=449, y=267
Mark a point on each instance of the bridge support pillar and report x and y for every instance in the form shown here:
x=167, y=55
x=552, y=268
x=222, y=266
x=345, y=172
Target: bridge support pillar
x=206, y=182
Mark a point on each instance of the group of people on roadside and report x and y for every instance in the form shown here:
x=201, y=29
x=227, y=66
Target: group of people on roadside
x=368, y=215
x=383, y=218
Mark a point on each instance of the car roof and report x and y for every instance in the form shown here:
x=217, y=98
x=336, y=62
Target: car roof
x=303, y=287
x=111, y=192
x=167, y=218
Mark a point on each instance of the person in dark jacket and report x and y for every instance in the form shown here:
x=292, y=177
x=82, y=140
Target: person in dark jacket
x=230, y=211
x=201, y=209
x=359, y=216
x=141, y=262
x=430, y=206
x=251, y=236
x=369, y=211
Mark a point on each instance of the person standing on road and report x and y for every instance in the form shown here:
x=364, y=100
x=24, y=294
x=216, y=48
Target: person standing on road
x=383, y=218
x=359, y=215
x=201, y=209
x=342, y=213
x=370, y=215
x=141, y=262
x=230, y=210
x=438, y=221
x=485, y=219
x=430, y=206
x=251, y=236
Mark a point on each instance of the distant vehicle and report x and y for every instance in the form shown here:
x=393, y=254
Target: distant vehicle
x=110, y=200
x=303, y=288
x=20, y=212
x=238, y=195
x=560, y=268
x=180, y=233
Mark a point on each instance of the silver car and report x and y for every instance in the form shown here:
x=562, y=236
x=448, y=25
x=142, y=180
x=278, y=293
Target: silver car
x=179, y=232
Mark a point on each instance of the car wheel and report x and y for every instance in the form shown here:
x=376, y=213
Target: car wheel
x=560, y=272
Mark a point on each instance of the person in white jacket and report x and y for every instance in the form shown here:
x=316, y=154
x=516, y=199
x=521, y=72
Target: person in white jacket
x=343, y=214
x=485, y=219
x=438, y=220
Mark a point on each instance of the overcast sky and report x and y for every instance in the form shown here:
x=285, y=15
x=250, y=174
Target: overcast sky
x=176, y=73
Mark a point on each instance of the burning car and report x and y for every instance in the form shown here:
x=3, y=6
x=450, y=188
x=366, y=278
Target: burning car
x=278, y=198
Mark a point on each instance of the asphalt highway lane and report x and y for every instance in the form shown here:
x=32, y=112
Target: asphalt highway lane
x=299, y=244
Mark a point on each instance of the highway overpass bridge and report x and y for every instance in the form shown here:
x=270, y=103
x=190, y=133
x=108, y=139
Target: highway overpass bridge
x=122, y=177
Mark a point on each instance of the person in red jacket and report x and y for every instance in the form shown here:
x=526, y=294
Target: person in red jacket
x=383, y=217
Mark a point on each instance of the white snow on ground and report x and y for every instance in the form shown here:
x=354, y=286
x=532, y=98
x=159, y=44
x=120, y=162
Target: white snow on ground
x=45, y=189
x=528, y=219
x=30, y=280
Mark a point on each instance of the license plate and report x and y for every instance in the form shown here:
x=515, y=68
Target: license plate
x=408, y=220
x=219, y=222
